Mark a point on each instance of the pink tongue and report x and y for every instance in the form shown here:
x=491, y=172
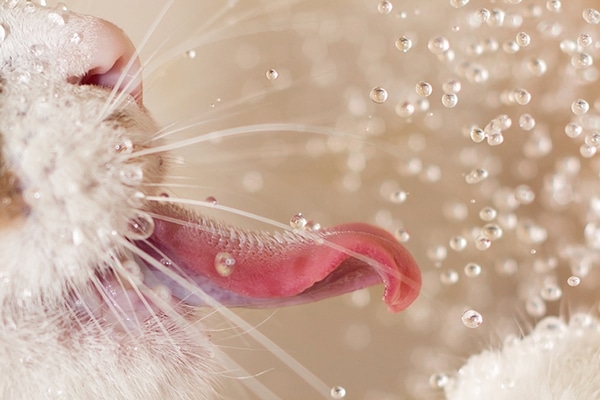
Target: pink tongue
x=290, y=269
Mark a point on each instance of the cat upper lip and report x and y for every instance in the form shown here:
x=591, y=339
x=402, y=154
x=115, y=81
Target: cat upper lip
x=285, y=269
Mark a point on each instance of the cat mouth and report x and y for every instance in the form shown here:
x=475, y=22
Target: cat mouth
x=204, y=263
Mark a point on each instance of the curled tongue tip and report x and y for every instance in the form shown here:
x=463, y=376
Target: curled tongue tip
x=265, y=271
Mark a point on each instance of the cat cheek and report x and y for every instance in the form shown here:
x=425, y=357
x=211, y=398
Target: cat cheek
x=115, y=62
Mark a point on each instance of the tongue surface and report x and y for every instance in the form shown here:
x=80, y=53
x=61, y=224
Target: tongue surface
x=275, y=270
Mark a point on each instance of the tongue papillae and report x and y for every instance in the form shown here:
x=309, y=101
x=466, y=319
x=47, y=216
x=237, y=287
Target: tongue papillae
x=242, y=268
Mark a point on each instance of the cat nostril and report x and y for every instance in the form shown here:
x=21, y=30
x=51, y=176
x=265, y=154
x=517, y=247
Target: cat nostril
x=114, y=62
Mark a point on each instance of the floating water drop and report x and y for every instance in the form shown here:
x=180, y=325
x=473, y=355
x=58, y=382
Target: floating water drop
x=338, y=392
x=298, y=221
x=403, y=44
x=272, y=74
x=140, y=227
x=584, y=40
x=477, y=135
x=398, y=197
x=131, y=175
x=535, y=306
x=451, y=86
x=580, y=107
x=472, y=319
x=402, y=235
x=439, y=380
x=582, y=60
x=573, y=281
x=449, y=277
x=56, y=18
x=591, y=16
x=537, y=66
x=224, y=264
x=551, y=292
x=482, y=243
x=554, y=5
x=378, y=95
x=385, y=7
x=424, y=89
x=477, y=175
x=458, y=243
x=488, y=214
x=449, y=100
x=523, y=39
x=472, y=270
x=573, y=129
x=438, y=45
x=492, y=232
x=526, y=122
x=405, y=109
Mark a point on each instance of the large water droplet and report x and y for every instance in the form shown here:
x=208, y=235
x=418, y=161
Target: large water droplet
x=378, y=95
x=472, y=319
x=140, y=227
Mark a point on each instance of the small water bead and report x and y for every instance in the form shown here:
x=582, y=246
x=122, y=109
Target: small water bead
x=554, y=5
x=272, y=74
x=405, y=109
x=551, y=292
x=522, y=96
x=587, y=151
x=482, y=15
x=423, y=89
x=458, y=243
x=378, y=95
x=492, y=232
x=437, y=253
x=449, y=100
x=438, y=45
x=582, y=60
x=591, y=16
x=477, y=135
x=592, y=139
x=523, y=39
x=140, y=227
x=131, y=175
x=403, y=44
x=573, y=129
x=488, y=214
x=298, y=221
x=224, y=264
x=451, y=86
x=477, y=175
x=535, y=307
x=191, y=54
x=56, y=18
x=402, y=235
x=510, y=47
x=472, y=319
x=495, y=139
x=459, y=3
x=584, y=40
x=526, y=122
x=537, y=66
x=385, y=7
x=472, y=270
x=211, y=200
x=580, y=107
x=29, y=7
x=449, y=277
x=482, y=243
x=439, y=380
x=398, y=197
x=573, y=281
x=497, y=17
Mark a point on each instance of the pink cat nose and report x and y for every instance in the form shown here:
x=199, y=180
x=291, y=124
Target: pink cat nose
x=115, y=62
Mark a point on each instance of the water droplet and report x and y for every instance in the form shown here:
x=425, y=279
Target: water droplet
x=272, y=74
x=424, y=89
x=459, y=3
x=475, y=176
x=437, y=253
x=133, y=272
x=591, y=16
x=524, y=194
x=398, y=197
x=537, y=66
x=403, y=44
x=477, y=135
x=482, y=15
x=438, y=45
x=385, y=7
x=587, y=151
x=482, y=243
x=378, y=95
x=29, y=7
x=191, y=54
x=526, y=122
x=472, y=319
x=522, y=96
x=75, y=38
x=488, y=214
x=554, y=5
x=338, y=392
x=298, y=221
x=551, y=292
x=492, y=232
x=449, y=100
x=535, y=306
x=224, y=264
x=402, y=235
x=452, y=86
x=573, y=281
x=56, y=18
x=405, y=109
x=131, y=175
x=212, y=200
x=439, y=380
x=582, y=60
x=523, y=39
x=573, y=129
x=449, y=277
x=126, y=146
x=140, y=227
x=458, y=243
x=580, y=107
x=472, y=270
x=584, y=40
